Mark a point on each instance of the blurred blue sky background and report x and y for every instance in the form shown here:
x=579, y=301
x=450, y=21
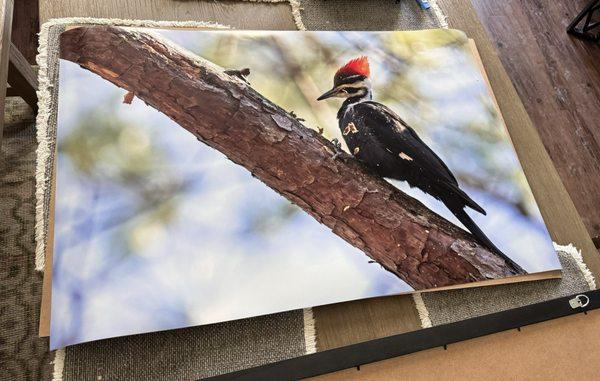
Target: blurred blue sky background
x=155, y=230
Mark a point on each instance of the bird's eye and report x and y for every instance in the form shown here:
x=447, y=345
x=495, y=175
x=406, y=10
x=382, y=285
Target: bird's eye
x=344, y=91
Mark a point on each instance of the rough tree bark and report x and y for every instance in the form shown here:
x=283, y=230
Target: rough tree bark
x=224, y=112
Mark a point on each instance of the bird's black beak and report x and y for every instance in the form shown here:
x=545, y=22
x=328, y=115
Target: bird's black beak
x=328, y=94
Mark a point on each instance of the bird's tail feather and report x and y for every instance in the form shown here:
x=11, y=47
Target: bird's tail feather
x=468, y=201
x=468, y=222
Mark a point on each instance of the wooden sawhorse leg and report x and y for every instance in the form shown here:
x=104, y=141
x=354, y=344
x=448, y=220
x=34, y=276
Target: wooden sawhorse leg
x=14, y=68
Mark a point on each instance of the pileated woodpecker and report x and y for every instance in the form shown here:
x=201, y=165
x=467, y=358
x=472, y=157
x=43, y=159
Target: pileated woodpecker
x=382, y=141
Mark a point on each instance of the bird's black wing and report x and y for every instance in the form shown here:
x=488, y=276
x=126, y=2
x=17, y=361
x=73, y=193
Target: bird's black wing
x=398, y=137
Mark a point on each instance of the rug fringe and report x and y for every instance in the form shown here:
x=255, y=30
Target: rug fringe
x=422, y=310
x=296, y=8
x=310, y=335
x=576, y=254
x=132, y=23
x=58, y=365
x=43, y=149
x=437, y=11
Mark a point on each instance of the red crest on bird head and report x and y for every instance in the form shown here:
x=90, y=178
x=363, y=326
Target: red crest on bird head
x=354, y=73
x=356, y=66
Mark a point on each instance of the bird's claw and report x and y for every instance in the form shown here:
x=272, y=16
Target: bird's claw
x=241, y=74
x=337, y=146
x=293, y=114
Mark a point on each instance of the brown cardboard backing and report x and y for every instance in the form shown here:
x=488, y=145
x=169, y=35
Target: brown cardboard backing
x=44, y=325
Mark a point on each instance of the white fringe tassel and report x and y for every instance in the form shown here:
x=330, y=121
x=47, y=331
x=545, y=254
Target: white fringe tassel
x=296, y=8
x=437, y=11
x=310, y=335
x=576, y=254
x=422, y=310
x=59, y=365
x=43, y=149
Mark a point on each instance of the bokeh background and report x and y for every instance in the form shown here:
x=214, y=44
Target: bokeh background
x=155, y=230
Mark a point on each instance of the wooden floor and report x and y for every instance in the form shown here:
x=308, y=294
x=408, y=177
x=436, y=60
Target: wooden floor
x=558, y=80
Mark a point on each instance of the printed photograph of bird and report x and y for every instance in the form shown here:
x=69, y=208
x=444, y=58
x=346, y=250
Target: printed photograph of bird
x=383, y=142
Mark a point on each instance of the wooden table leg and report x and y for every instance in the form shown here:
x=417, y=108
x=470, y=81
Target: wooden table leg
x=21, y=77
x=25, y=28
x=585, y=30
x=6, y=15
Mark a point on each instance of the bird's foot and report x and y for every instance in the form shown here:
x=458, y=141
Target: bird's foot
x=293, y=114
x=241, y=74
x=337, y=146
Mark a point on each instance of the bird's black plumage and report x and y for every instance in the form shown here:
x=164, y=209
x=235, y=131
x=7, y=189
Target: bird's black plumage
x=382, y=141
x=379, y=138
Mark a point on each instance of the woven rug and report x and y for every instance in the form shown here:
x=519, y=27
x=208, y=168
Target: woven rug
x=195, y=352
x=368, y=15
x=23, y=356
x=362, y=15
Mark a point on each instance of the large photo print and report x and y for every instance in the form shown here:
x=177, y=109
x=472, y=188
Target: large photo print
x=207, y=176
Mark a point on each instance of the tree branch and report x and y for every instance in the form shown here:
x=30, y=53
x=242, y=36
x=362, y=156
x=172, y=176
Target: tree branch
x=224, y=112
